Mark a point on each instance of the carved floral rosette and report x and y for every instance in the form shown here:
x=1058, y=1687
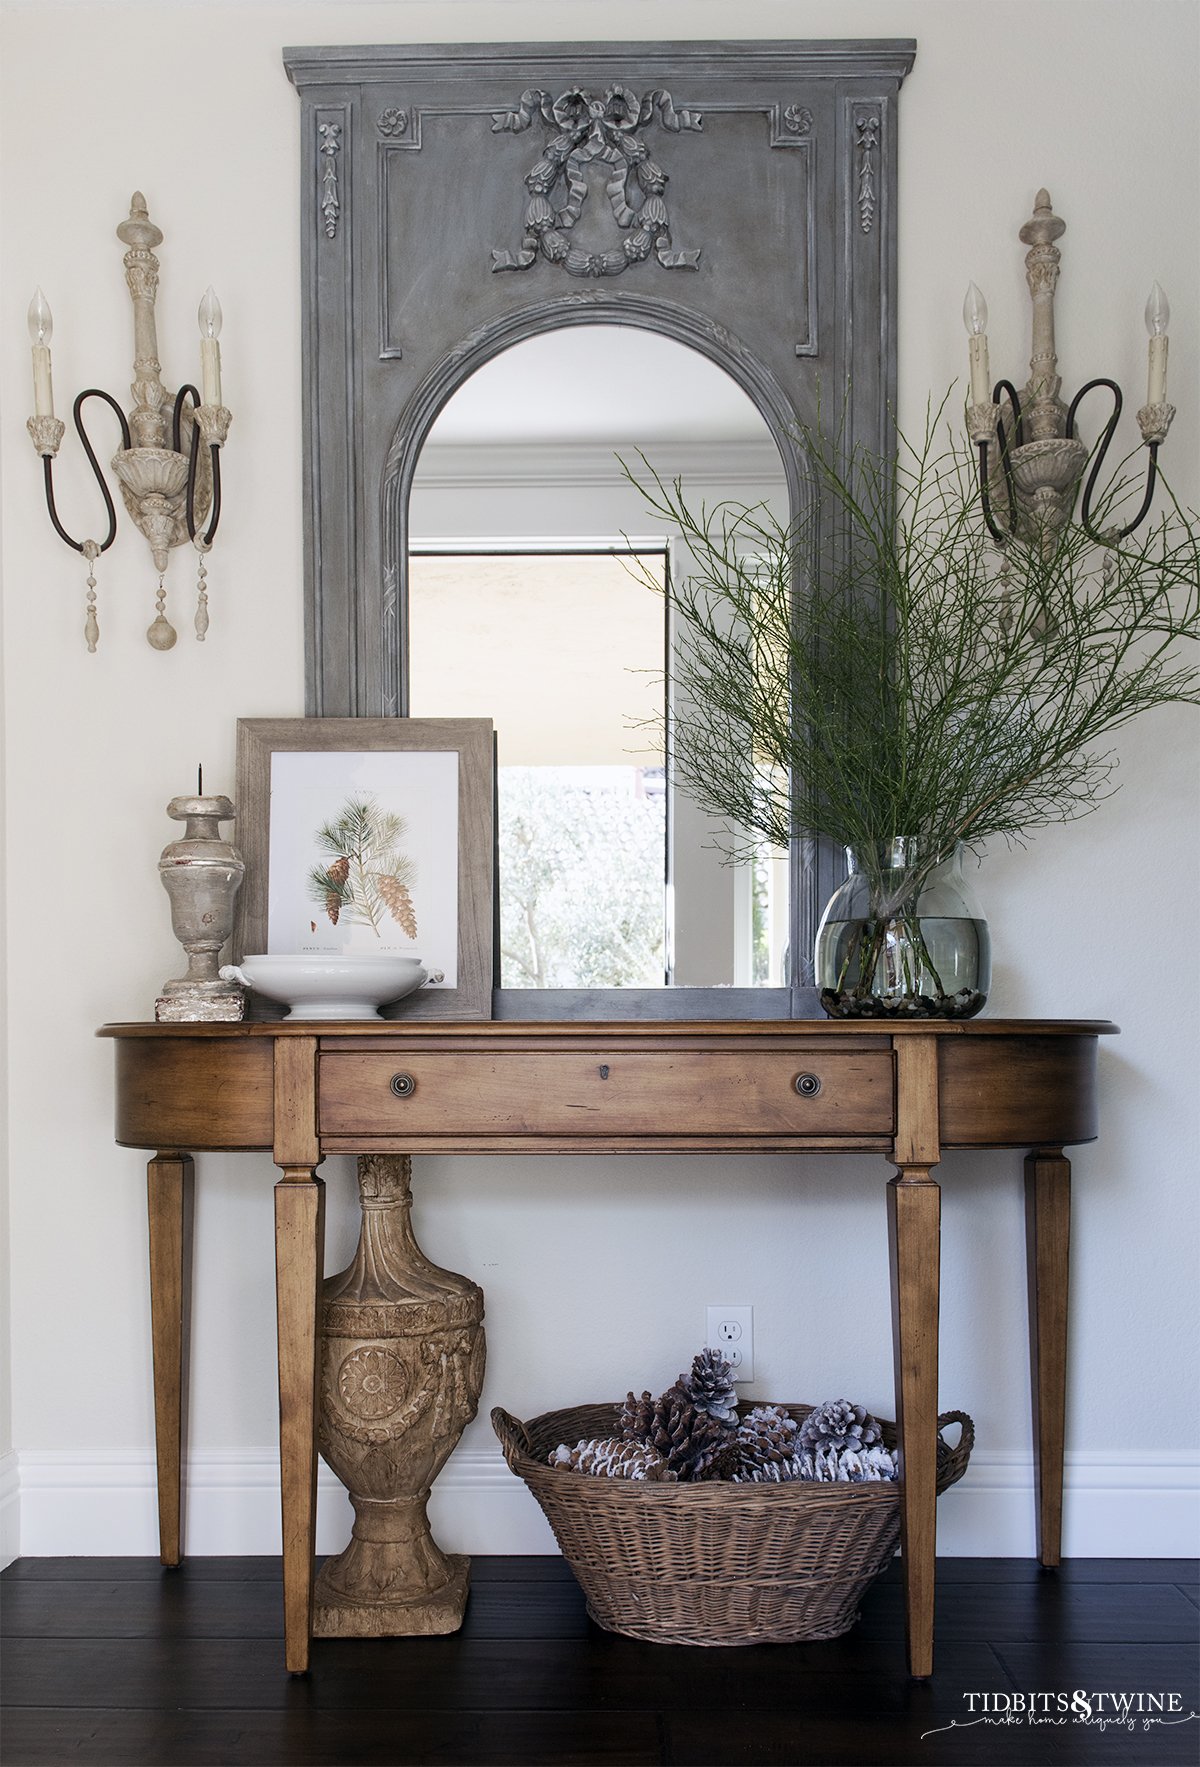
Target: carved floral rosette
x=402, y=1369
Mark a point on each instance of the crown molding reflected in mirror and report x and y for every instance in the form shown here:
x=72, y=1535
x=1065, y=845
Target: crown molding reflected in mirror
x=457, y=200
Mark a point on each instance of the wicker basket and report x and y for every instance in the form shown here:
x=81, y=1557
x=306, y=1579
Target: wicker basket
x=715, y=1562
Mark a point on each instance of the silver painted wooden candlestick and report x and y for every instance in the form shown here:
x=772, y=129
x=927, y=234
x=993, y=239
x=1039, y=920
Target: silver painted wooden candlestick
x=402, y=1369
x=201, y=874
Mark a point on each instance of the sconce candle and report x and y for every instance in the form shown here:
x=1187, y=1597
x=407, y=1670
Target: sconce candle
x=41, y=329
x=209, y=317
x=1158, y=317
x=975, y=320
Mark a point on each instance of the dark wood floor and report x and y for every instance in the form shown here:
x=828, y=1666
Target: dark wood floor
x=117, y=1661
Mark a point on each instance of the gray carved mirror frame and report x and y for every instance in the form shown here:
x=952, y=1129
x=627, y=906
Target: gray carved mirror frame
x=738, y=198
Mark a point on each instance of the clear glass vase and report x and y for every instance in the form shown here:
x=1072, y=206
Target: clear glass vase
x=903, y=938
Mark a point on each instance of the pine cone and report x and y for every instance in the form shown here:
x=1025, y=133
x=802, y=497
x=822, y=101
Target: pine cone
x=686, y=1437
x=839, y=1424
x=637, y=1417
x=710, y=1385
x=611, y=1457
x=867, y=1465
x=776, y=1472
x=721, y=1463
x=766, y=1438
x=338, y=872
x=333, y=906
x=395, y=897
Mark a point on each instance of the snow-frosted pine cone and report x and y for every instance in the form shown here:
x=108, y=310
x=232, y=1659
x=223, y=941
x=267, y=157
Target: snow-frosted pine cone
x=839, y=1424
x=846, y=1466
x=775, y=1472
x=866, y=1466
x=611, y=1457
x=686, y=1437
x=710, y=1385
x=766, y=1437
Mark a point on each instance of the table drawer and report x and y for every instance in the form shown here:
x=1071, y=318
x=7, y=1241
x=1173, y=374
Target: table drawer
x=593, y=1093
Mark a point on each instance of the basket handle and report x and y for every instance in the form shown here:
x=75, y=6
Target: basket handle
x=512, y=1434
x=966, y=1440
x=953, y=1465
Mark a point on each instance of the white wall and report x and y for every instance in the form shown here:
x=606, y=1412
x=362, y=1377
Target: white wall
x=596, y=1271
x=9, y=1517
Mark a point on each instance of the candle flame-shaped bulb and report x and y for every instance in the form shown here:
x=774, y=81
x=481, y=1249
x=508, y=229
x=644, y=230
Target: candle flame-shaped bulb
x=41, y=321
x=975, y=312
x=209, y=314
x=1158, y=312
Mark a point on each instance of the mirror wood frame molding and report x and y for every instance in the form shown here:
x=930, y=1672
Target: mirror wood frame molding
x=742, y=202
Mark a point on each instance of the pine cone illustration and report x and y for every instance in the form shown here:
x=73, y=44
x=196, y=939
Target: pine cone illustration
x=333, y=906
x=612, y=1457
x=399, y=903
x=710, y=1384
x=338, y=872
x=839, y=1424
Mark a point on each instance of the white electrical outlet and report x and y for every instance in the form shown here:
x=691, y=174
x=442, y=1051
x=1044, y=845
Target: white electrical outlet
x=731, y=1330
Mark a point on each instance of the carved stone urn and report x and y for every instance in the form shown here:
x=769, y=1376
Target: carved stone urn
x=402, y=1369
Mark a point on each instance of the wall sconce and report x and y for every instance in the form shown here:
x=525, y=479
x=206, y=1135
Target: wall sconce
x=1027, y=444
x=169, y=482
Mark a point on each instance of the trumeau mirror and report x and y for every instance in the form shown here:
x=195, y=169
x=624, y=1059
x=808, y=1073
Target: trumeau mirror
x=462, y=204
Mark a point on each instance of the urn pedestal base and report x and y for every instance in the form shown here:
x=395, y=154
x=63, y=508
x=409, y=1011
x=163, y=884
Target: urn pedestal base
x=424, y=1616
x=402, y=1366
x=393, y=1580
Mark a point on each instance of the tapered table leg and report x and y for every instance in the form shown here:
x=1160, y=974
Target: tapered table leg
x=169, y=1184
x=299, y=1258
x=914, y=1234
x=1047, y=1245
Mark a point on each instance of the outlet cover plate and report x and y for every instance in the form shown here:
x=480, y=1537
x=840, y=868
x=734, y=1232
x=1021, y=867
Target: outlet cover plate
x=730, y=1329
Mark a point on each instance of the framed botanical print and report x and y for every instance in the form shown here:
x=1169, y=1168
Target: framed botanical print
x=372, y=836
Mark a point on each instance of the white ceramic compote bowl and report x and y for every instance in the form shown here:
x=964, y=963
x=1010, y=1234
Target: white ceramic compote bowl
x=318, y=986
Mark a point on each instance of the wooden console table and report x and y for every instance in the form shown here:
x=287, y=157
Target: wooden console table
x=903, y=1090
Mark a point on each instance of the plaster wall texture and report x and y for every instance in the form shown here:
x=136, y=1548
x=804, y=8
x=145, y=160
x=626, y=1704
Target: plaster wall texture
x=596, y=1271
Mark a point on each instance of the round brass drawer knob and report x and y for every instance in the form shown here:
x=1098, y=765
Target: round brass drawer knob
x=808, y=1085
x=403, y=1085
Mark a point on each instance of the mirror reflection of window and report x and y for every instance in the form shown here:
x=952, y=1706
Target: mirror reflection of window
x=558, y=642
x=576, y=701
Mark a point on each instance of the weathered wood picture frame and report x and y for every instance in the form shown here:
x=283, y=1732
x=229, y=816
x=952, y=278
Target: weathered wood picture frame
x=463, y=839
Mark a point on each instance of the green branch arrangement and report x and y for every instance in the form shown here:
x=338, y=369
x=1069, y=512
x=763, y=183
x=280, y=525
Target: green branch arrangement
x=368, y=879
x=880, y=670
x=892, y=674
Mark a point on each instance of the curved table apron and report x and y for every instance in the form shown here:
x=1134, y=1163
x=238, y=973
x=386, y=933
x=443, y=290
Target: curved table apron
x=906, y=1091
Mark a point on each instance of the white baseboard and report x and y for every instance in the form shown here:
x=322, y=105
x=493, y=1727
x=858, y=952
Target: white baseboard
x=1115, y=1505
x=103, y=1503
x=10, y=1509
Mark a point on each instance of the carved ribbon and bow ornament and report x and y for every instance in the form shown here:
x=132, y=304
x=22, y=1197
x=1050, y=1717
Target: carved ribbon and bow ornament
x=596, y=131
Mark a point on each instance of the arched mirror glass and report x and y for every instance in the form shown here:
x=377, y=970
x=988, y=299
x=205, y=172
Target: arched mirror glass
x=535, y=597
